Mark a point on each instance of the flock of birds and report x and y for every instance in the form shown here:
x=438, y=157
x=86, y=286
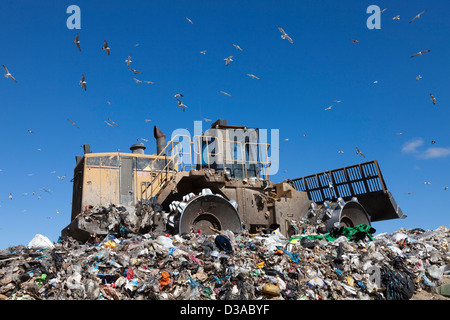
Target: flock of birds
x=227, y=60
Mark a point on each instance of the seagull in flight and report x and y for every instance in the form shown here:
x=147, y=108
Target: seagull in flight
x=203, y=52
x=397, y=17
x=178, y=95
x=340, y=151
x=420, y=53
x=418, y=16
x=83, y=82
x=427, y=182
x=77, y=42
x=10, y=196
x=354, y=41
x=105, y=47
x=109, y=124
x=137, y=80
x=433, y=98
x=284, y=35
x=149, y=82
x=359, y=152
x=190, y=21
x=134, y=71
x=329, y=108
x=228, y=60
x=113, y=122
x=337, y=101
x=128, y=61
x=237, y=47
x=8, y=75
x=418, y=77
x=30, y=131
x=181, y=105
x=225, y=93
x=72, y=122
x=253, y=76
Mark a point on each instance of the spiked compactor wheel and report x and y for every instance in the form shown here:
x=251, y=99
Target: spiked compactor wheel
x=205, y=211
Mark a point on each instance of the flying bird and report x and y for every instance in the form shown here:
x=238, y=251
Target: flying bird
x=77, y=42
x=72, y=122
x=8, y=75
x=359, y=152
x=337, y=101
x=105, y=47
x=420, y=53
x=418, y=77
x=181, y=105
x=10, y=196
x=433, y=141
x=30, y=131
x=340, y=151
x=225, y=93
x=418, y=16
x=203, y=52
x=178, y=95
x=228, y=60
x=354, y=41
x=83, y=82
x=109, y=124
x=433, y=98
x=149, y=82
x=137, y=80
x=253, y=76
x=128, y=61
x=207, y=120
x=134, y=71
x=427, y=182
x=397, y=17
x=329, y=108
x=113, y=122
x=384, y=10
x=284, y=35
x=237, y=47
x=445, y=188
x=190, y=21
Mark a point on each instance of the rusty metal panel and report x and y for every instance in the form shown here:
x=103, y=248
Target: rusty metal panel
x=126, y=181
x=91, y=188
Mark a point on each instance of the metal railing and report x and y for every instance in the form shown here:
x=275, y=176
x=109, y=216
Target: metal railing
x=178, y=159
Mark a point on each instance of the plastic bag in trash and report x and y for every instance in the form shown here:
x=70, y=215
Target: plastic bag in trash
x=40, y=242
x=223, y=243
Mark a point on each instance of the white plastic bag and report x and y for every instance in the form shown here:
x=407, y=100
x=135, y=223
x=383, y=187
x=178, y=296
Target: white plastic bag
x=40, y=242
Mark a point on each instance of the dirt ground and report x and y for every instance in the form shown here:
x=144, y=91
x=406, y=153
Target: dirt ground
x=426, y=295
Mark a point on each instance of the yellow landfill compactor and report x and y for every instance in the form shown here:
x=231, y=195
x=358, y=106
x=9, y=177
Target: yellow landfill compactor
x=219, y=180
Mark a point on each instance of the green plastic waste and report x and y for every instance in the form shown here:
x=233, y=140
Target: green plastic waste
x=361, y=231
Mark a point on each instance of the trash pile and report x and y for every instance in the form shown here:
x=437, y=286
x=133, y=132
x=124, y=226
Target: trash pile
x=345, y=264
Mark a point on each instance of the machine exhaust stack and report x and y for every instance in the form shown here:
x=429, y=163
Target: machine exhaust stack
x=160, y=140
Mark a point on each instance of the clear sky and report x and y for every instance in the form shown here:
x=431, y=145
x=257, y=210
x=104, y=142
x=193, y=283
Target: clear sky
x=375, y=80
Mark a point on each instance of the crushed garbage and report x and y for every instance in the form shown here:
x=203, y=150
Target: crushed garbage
x=127, y=264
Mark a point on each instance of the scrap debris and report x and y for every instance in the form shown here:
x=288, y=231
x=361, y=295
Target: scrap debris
x=135, y=262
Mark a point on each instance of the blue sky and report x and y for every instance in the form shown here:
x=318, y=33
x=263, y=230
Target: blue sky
x=375, y=79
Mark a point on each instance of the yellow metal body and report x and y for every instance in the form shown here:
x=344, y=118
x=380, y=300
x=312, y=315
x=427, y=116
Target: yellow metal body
x=117, y=178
